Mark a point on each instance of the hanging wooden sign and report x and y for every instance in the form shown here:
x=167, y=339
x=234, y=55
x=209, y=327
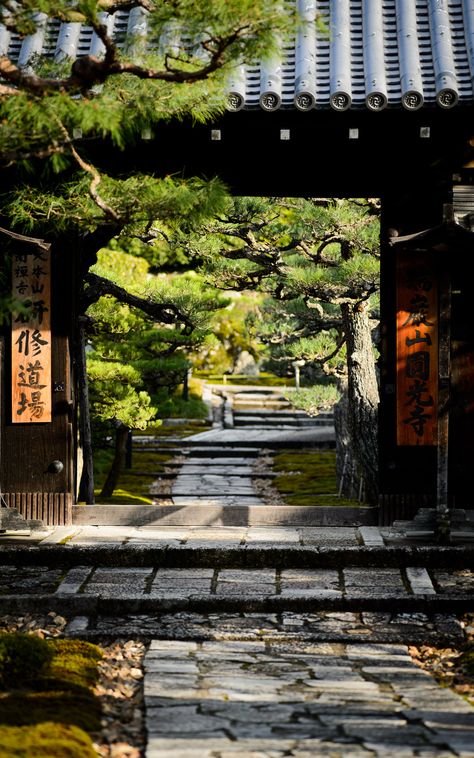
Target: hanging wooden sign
x=417, y=349
x=31, y=336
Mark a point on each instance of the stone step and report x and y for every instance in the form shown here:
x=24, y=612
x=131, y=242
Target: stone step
x=291, y=412
x=204, y=461
x=259, y=422
x=263, y=405
x=268, y=413
x=379, y=629
x=226, y=547
x=229, y=450
x=111, y=599
x=215, y=470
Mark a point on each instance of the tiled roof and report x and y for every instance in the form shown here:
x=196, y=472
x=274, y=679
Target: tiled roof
x=367, y=54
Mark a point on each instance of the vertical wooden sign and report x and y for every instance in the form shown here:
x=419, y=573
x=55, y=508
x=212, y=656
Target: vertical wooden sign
x=31, y=337
x=417, y=350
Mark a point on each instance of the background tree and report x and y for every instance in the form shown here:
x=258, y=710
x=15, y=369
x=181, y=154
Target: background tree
x=318, y=259
x=134, y=361
x=232, y=337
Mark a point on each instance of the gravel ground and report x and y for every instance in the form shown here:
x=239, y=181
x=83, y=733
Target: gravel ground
x=446, y=664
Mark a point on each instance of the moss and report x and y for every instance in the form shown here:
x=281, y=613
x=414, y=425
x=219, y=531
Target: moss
x=47, y=740
x=308, y=478
x=23, y=657
x=61, y=692
x=322, y=500
x=62, y=706
x=122, y=497
x=75, y=661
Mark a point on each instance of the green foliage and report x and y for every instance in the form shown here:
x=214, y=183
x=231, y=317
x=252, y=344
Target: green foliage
x=310, y=255
x=32, y=120
x=137, y=363
x=114, y=397
x=22, y=658
x=313, y=400
x=233, y=332
x=264, y=379
x=176, y=407
x=65, y=206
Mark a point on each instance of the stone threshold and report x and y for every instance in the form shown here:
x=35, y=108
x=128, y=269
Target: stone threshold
x=187, y=513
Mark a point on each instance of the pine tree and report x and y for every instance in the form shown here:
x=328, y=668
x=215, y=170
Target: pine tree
x=51, y=113
x=132, y=356
x=318, y=260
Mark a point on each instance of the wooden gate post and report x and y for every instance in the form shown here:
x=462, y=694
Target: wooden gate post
x=36, y=456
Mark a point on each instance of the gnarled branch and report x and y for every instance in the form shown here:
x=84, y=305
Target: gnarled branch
x=166, y=312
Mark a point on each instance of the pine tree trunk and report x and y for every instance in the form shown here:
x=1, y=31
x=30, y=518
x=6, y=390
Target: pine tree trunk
x=86, y=488
x=363, y=397
x=118, y=463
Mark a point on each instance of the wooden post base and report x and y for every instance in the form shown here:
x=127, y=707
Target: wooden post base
x=52, y=508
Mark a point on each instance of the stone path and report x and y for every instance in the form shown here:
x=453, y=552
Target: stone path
x=256, y=699
x=219, y=481
x=214, y=483
x=268, y=661
x=258, y=418
x=264, y=642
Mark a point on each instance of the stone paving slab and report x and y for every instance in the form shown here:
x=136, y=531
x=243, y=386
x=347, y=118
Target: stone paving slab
x=254, y=698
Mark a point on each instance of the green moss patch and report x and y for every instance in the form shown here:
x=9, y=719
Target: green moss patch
x=47, y=707
x=134, y=483
x=47, y=740
x=308, y=478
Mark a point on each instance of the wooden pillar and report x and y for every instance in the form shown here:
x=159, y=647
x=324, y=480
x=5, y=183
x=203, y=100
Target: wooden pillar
x=407, y=417
x=430, y=467
x=36, y=469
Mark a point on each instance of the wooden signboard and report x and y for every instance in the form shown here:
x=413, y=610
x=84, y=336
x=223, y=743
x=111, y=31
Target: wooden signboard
x=417, y=350
x=31, y=337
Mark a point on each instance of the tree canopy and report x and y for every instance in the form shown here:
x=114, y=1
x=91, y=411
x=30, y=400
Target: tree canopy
x=56, y=114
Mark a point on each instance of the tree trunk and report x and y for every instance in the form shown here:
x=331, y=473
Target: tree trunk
x=118, y=463
x=363, y=398
x=86, y=488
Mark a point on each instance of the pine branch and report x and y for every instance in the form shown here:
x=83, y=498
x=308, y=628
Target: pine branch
x=40, y=243
x=9, y=158
x=96, y=177
x=167, y=313
x=90, y=70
